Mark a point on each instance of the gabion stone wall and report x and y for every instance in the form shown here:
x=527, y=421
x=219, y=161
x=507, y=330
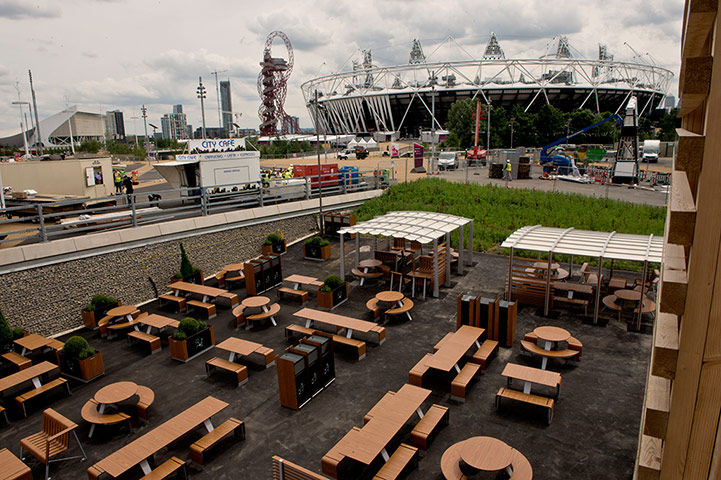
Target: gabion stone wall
x=48, y=300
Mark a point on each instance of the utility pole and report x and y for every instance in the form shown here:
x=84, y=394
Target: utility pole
x=217, y=94
x=317, y=151
x=201, y=95
x=513, y=120
x=37, y=120
x=135, y=129
x=488, y=133
x=20, y=104
x=433, y=124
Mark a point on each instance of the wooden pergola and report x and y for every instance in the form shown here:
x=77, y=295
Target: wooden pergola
x=602, y=245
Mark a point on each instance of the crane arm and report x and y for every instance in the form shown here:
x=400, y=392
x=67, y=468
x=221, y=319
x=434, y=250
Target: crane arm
x=545, y=148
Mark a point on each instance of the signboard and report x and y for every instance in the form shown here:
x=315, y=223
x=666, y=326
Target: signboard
x=417, y=155
x=216, y=145
x=217, y=156
x=394, y=150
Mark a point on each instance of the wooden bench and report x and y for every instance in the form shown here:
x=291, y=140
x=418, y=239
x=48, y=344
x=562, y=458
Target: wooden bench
x=228, y=280
x=435, y=418
x=648, y=306
x=18, y=360
x=169, y=299
x=90, y=414
x=103, y=325
x=574, y=302
x=403, y=459
x=239, y=314
x=272, y=310
x=575, y=344
x=301, y=294
x=240, y=371
x=460, y=384
x=290, y=471
x=145, y=398
x=415, y=375
x=208, y=441
x=172, y=466
x=366, y=276
x=406, y=308
x=294, y=328
x=268, y=355
x=4, y=415
x=51, y=385
x=588, y=276
x=231, y=297
x=566, y=354
x=152, y=341
x=358, y=345
x=483, y=354
x=381, y=331
x=372, y=305
x=209, y=308
x=531, y=291
x=529, y=398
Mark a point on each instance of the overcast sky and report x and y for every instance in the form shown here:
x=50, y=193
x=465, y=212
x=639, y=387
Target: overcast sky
x=119, y=54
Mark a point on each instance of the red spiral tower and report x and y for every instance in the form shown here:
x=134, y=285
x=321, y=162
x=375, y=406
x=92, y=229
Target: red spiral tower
x=272, y=87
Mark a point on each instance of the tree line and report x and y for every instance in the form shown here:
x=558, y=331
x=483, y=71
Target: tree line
x=548, y=123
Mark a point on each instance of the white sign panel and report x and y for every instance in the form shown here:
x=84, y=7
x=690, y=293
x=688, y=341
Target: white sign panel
x=217, y=156
x=216, y=145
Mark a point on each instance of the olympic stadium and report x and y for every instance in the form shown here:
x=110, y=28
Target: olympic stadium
x=399, y=100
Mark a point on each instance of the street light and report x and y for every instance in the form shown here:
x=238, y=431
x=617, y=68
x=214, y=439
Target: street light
x=22, y=124
x=201, y=95
x=513, y=120
x=317, y=151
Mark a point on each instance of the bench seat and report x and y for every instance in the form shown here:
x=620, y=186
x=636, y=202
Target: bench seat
x=239, y=314
x=231, y=297
x=239, y=370
x=575, y=344
x=209, y=308
x=359, y=346
x=294, y=328
x=235, y=279
x=152, y=341
x=415, y=375
x=381, y=331
x=268, y=355
x=272, y=310
x=529, y=398
x=483, y=355
x=574, y=302
x=406, y=308
x=609, y=301
x=172, y=466
x=403, y=459
x=460, y=384
x=563, y=354
x=301, y=294
x=51, y=385
x=18, y=360
x=360, y=274
x=372, y=305
x=90, y=414
x=199, y=448
x=169, y=299
x=145, y=398
x=435, y=418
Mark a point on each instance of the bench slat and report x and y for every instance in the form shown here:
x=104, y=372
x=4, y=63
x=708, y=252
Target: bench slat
x=529, y=398
x=436, y=416
x=166, y=469
x=241, y=371
x=405, y=456
x=460, y=384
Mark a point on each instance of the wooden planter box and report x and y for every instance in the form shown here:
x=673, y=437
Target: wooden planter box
x=332, y=299
x=194, y=345
x=312, y=252
x=196, y=278
x=90, y=320
x=278, y=248
x=82, y=370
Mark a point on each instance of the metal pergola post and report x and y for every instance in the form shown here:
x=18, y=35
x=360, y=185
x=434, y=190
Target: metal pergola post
x=548, y=284
x=510, y=276
x=435, y=268
x=357, y=248
x=342, y=257
x=461, y=246
x=598, y=290
x=470, y=244
x=448, y=260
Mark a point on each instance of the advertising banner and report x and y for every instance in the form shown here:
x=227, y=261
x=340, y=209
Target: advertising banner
x=417, y=155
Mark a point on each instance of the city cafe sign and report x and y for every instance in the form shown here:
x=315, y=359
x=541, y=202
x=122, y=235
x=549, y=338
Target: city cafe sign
x=216, y=145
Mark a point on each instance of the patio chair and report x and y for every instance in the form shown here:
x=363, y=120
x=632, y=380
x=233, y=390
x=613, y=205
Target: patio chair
x=53, y=440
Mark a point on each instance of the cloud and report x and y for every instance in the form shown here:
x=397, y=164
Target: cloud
x=15, y=10
x=89, y=54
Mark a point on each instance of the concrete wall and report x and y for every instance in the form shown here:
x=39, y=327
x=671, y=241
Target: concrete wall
x=66, y=177
x=48, y=299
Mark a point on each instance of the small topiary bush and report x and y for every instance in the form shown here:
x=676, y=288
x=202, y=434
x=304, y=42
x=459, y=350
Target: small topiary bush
x=18, y=332
x=189, y=326
x=331, y=282
x=101, y=302
x=6, y=333
x=273, y=239
x=87, y=353
x=316, y=241
x=74, y=346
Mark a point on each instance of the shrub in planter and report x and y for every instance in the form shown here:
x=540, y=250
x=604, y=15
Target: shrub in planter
x=333, y=292
x=187, y=273
x=191, y=338
x=97, y=309
x=8, y=334
x=274, y=243
x=316, y=248
x=79, y=360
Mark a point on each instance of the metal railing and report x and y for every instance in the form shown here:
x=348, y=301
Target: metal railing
x=44, y=222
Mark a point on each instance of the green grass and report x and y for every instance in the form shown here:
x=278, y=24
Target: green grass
x=499, y=211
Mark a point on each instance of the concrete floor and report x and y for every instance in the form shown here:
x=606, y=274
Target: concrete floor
x=593, y=434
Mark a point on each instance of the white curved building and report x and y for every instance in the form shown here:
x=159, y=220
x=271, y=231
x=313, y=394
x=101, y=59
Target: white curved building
x=84, y=123
x=397, y=98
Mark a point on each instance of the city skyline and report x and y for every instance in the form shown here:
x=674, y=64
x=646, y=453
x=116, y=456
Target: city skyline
x=113, y=70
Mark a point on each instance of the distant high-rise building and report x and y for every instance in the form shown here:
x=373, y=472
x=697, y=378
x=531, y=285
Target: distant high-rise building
x=226, y=106
x=174, y=125
x=114, y=125
x=670, y=101
x=291, y=124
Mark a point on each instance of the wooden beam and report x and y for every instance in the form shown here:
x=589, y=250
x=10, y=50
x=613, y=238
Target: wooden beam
x=674, y=257
x=649, y=461
x=682, y=212
x=705, y=422
x=690, y=151
x=701, y=276
x=658, y=404
x=712, y=353
x=665, y=346
x=697, y=77
x=674, y=289
x=698, y=27
x=689, y=102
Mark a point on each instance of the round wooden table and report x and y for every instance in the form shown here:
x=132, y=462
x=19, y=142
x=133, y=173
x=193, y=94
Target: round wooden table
x=256, y=302
x=234, y=267
x=544, y=265
x=486, y=454
x=115, y=393
x=122, y=311
x=370, y=263
x=552, y=334
x=630, y=295
x=390, y=296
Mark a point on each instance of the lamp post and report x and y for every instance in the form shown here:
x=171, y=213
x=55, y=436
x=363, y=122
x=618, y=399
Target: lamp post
x=513, y=120
x=317, y=151
x=488, y=133
x=201, y=95
x=22, y=124
x=433, y=123
x=135, y=129
x=145, y=124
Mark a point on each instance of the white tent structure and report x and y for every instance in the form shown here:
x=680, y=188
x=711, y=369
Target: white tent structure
x=423, y=227
x=601, y=245
x=352, y=143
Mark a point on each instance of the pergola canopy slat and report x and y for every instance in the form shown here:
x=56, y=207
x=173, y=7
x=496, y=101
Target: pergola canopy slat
x=423, y=227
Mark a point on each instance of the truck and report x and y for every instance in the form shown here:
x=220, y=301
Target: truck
x=233, y=170
x=650, y=151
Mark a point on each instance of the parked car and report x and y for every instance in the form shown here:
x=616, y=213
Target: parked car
x=448, y=160
x=345, y=154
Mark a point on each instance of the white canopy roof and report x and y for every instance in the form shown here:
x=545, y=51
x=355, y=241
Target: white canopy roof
x=423, y=227
x=569, y=241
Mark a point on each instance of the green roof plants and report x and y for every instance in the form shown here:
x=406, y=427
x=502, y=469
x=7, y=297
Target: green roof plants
x=8, y=333
x=330, y=283
x=273, y=239
x=189, y=326
x=101, y=302
x=186, y=267
x=78, y=347
x=316, y=241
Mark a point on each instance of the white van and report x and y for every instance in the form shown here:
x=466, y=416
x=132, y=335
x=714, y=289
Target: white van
x=448, y=161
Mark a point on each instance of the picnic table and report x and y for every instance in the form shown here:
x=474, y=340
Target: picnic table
x=30, y=374
x=237, y=346
x=139, y=450
x=114, y=393
x=298, y=280
x=487, y=454
x=12, y=468
x=32, y=342
x=530, y=375
x=159, y=322
x=453, y=347
x=368, y=265
x=123, y=311
x=193, y=288
x=338, y=322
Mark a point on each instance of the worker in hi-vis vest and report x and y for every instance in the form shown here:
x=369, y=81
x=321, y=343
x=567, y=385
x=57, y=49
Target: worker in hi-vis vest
x=508, y=175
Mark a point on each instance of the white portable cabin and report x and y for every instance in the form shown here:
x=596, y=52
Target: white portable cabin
x=225, y=170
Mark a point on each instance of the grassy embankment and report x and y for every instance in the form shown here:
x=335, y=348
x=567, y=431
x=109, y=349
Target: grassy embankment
x=499, y=211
